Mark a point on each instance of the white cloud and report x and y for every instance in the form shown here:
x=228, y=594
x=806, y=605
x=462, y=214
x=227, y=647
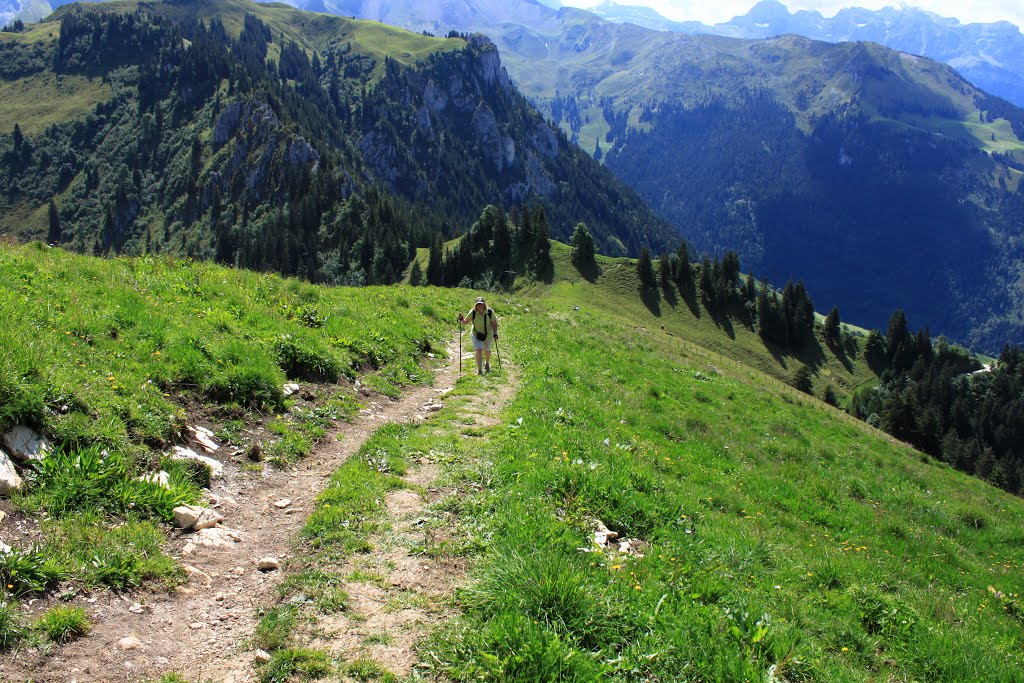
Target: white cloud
x=722, y=10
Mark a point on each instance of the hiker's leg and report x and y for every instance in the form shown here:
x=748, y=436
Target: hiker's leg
x=479, y=359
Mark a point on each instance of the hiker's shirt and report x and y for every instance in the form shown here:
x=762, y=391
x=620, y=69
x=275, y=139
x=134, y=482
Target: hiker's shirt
x=483, y=322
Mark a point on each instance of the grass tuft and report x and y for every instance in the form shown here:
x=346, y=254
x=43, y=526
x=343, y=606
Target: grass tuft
x=62, y=624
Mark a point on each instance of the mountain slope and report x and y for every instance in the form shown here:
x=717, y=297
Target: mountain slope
x=270, y=137
x=879, y=177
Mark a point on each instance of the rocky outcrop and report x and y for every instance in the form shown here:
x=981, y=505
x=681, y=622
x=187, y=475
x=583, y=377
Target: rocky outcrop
x=495, y=146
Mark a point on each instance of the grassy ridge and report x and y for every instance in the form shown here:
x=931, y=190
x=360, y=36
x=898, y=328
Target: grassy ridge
x=785, y=540
x=616, y=293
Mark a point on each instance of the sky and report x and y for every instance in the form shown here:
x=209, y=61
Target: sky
x=966, y=11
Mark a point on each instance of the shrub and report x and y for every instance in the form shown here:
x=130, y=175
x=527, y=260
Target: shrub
x=257, y=384
x=285, y=665
x=92, y=479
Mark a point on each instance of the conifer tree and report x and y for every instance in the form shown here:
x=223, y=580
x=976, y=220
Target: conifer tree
x=645, y=270
x=582, y=247
x=831, y=331
x=435, y=262
x=684, y=274
x=416, y=274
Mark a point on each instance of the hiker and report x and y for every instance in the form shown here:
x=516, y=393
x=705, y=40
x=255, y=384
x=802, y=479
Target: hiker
x=484, y=325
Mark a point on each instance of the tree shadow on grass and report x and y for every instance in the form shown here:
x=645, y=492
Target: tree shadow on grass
x=589, y=271
x=652, y=301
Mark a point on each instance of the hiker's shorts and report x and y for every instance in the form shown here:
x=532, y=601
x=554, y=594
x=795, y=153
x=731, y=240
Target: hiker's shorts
x=478, y=345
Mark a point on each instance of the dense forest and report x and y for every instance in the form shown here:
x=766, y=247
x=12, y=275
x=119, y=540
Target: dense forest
x=322, y=164
x=940, y=399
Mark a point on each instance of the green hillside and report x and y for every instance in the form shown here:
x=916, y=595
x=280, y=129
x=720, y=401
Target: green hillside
x=266, y=137
x=775, y=536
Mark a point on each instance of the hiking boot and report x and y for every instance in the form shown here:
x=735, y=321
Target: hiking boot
x=487, y=367
x=479, y=371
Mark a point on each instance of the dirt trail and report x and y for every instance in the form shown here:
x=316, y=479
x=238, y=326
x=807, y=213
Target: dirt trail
x=201, y=630
x=412, y=589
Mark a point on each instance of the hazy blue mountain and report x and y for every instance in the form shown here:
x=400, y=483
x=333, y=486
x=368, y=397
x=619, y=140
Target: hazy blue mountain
x=989, y=55
x=26, y=10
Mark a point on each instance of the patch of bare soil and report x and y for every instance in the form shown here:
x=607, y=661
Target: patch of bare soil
x=202, y=629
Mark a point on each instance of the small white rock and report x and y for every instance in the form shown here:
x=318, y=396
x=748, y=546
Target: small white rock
x=9, y=479
x=289, y=389
x=216, y=468
x=129, y=643
x=261, y=656
x=24, y=443
x=196, y=517
x=283, y=503
x=204, y=437
x=268, y=564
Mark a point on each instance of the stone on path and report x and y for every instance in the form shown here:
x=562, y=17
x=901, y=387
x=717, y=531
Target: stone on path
x=261, y=656
x=129, y=643
x=289, y=389
x=181, y=453
x=215, y=537
x=9, y=479
x=268, y=564
x=24, y=443
x=283, y=503
x=196, y=517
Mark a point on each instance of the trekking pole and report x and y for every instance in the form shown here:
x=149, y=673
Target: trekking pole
x=497, y=351
x=460, y=344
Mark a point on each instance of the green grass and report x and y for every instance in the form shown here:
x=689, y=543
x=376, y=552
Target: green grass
x=293, y=664
x=783, y=537
x=61, y=624
x=38, y=101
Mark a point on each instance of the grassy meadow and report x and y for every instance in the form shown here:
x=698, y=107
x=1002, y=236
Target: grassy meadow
x=776, y=538
x=783, y=540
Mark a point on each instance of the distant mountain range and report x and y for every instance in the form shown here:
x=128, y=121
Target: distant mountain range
x=989, y=55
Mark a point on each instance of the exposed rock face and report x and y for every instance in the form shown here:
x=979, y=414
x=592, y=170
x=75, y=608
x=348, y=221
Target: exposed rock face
x=227, y=123
x=23, y=443
x=495, y=146
x=434, y=98
x=301, y=153
x=9, y=479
